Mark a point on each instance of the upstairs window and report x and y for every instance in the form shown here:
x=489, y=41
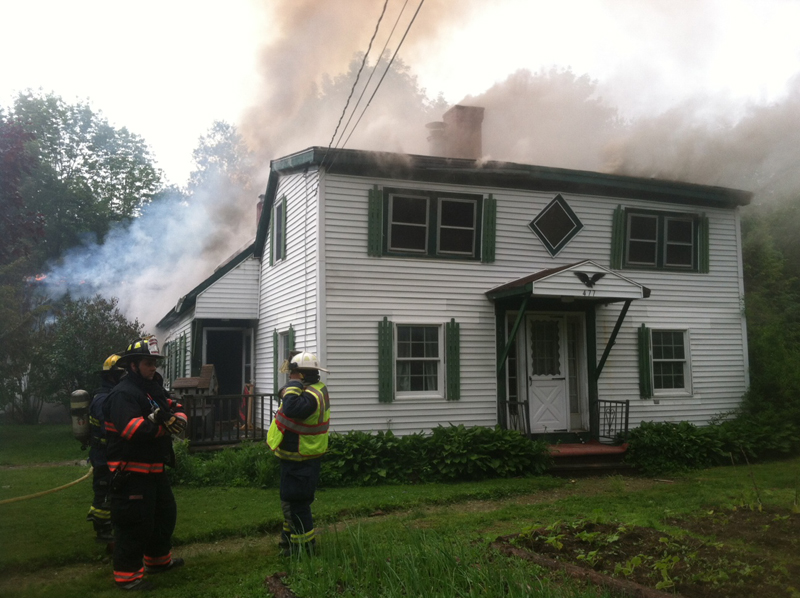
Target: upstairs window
x=278, y=249
x=427, y=224
x=659, y=240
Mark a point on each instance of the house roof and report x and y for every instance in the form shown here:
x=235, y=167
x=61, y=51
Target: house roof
x=584, y=280
x=188, y=301
x=491, y=173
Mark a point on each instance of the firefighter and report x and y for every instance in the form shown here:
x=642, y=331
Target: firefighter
x=140, y=420
x=100, y=511
x=298, y=435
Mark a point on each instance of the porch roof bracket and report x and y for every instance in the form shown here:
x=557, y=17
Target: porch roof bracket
x=513, y=336
x=612, y=339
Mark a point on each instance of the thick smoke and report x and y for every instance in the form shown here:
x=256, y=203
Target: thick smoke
x=624, y=123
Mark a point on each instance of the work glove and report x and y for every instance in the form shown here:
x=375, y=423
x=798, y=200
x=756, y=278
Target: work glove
x=175, y=423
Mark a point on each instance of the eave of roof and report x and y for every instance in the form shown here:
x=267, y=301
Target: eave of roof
x=501, y=175
x=190, y=298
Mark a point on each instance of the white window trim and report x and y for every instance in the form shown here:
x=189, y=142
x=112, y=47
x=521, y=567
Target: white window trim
x=686, y=391
x=278, y=243
x=410, y=395
x=691, y=244
x=440, y=226
x=391, y=222
x=629, y=238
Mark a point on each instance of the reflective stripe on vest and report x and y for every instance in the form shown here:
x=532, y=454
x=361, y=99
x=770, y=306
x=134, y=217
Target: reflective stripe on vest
x=312, y=431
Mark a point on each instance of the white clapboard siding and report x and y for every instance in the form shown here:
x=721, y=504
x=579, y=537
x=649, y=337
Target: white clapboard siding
x=288, y=288
x=234, y=296
x=173, y=335
x=360, y=290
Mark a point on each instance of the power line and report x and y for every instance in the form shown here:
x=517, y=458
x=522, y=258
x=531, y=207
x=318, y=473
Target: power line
x=358, y=74
x=388, y=66
x=372, y=73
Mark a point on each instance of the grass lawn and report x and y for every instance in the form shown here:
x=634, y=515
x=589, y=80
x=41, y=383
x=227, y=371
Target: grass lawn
x=427, y=540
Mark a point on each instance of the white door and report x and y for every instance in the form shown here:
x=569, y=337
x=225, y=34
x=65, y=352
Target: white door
x=547, y=373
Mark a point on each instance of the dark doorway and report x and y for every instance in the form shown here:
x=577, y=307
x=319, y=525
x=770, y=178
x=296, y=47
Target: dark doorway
x=224, y=350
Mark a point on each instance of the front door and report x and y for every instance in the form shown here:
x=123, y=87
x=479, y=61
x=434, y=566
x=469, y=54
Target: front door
x=546, y=339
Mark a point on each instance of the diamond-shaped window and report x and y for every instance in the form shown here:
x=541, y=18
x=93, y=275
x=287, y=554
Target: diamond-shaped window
x=556, y=225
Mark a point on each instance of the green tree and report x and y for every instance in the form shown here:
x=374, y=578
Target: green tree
x=221, y=155
x=76, y=342
x=88, y=175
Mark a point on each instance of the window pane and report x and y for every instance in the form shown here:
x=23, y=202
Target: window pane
x=679, y=255
x=417, y=358
x=642, y=252
x=668, y=375
x=545, y=348
x=643, y=228
x=669, y=359
x=679, y=231
x=453, y=240
x=457, y=213
x=408, y=237
x=278, y=241
x=410, y=210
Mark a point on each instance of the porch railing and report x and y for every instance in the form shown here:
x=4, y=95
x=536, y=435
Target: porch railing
x=612, y=418
x=227, y=419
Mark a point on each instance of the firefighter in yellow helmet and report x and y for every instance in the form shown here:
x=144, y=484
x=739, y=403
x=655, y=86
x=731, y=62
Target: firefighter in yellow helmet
x=140, y=419
x=298, y=435
x=100, y=511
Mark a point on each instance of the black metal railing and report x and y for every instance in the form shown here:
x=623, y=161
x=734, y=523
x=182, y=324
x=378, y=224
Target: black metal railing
x=612, y=419
x=227, y=419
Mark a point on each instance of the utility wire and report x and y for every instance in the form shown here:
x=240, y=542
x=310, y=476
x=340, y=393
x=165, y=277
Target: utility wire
x=372, y=73
x=358, y=74
x=385, y=72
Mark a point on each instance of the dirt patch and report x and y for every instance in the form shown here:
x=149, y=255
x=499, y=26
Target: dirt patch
x=717, y=554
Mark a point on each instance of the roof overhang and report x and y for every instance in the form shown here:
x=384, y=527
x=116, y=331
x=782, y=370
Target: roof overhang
x=582, y=281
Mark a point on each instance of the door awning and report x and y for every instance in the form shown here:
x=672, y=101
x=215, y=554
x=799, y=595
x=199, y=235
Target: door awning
x=582, y=281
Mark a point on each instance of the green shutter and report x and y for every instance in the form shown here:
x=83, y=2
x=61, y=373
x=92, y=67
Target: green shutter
x=271, y=240
x=385, y=361
x=291, y=339
x=453, y=356
x=283, y=238
x=375, y=223
x=182, y=355
x=645, y=371
x=275, y=365
x=703, y=252
x=617, y=238
x=489, y=229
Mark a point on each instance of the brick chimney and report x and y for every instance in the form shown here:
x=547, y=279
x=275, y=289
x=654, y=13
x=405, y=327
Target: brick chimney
x=459, y=135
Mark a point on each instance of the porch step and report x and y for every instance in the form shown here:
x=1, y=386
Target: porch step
x=588, y=458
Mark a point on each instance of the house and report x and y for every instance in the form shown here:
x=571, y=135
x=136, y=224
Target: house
x=442, y=290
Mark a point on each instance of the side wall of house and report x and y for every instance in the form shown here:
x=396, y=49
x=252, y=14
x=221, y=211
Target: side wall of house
x=234, y=296
x=180, y=361
x=359, y=291
x=288, y=287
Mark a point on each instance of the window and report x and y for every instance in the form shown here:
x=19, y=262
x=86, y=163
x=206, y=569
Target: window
x=663, y=361
x=411, y=223
x=669, y=359
x=662, y=240
x=418, y=360
x=278, y=251
x=282, y=344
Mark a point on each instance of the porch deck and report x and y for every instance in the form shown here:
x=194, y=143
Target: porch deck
x=588, y=458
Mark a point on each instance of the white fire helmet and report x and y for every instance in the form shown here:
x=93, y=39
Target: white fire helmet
x=305, y=361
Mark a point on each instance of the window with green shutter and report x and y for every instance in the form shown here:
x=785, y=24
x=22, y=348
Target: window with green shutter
x=419, y=360
x=663, y=362
x=427, y=224
x=648, y=239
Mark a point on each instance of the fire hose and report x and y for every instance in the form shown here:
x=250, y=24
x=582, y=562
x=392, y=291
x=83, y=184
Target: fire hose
x=44, y=492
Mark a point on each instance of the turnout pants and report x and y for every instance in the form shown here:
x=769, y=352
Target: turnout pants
x=143, y=512
x=298, y=483
x=100, y=511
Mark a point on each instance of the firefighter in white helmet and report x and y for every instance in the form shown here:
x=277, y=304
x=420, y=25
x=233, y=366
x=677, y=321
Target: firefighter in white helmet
x=298, y=435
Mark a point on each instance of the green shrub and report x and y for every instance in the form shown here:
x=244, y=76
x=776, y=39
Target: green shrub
x=362, y=459
x=666, y=447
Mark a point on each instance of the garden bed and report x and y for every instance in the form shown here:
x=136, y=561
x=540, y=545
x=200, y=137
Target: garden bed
x=716, y=554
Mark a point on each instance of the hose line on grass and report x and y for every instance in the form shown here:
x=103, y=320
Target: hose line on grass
x=38, y=494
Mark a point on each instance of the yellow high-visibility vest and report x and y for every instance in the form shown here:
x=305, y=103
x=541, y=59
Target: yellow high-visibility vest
x=312, y=431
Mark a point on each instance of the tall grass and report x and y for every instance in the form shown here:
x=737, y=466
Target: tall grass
x=355, y=561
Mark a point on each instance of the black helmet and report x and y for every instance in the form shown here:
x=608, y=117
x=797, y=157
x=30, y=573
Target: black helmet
x=143, y=347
